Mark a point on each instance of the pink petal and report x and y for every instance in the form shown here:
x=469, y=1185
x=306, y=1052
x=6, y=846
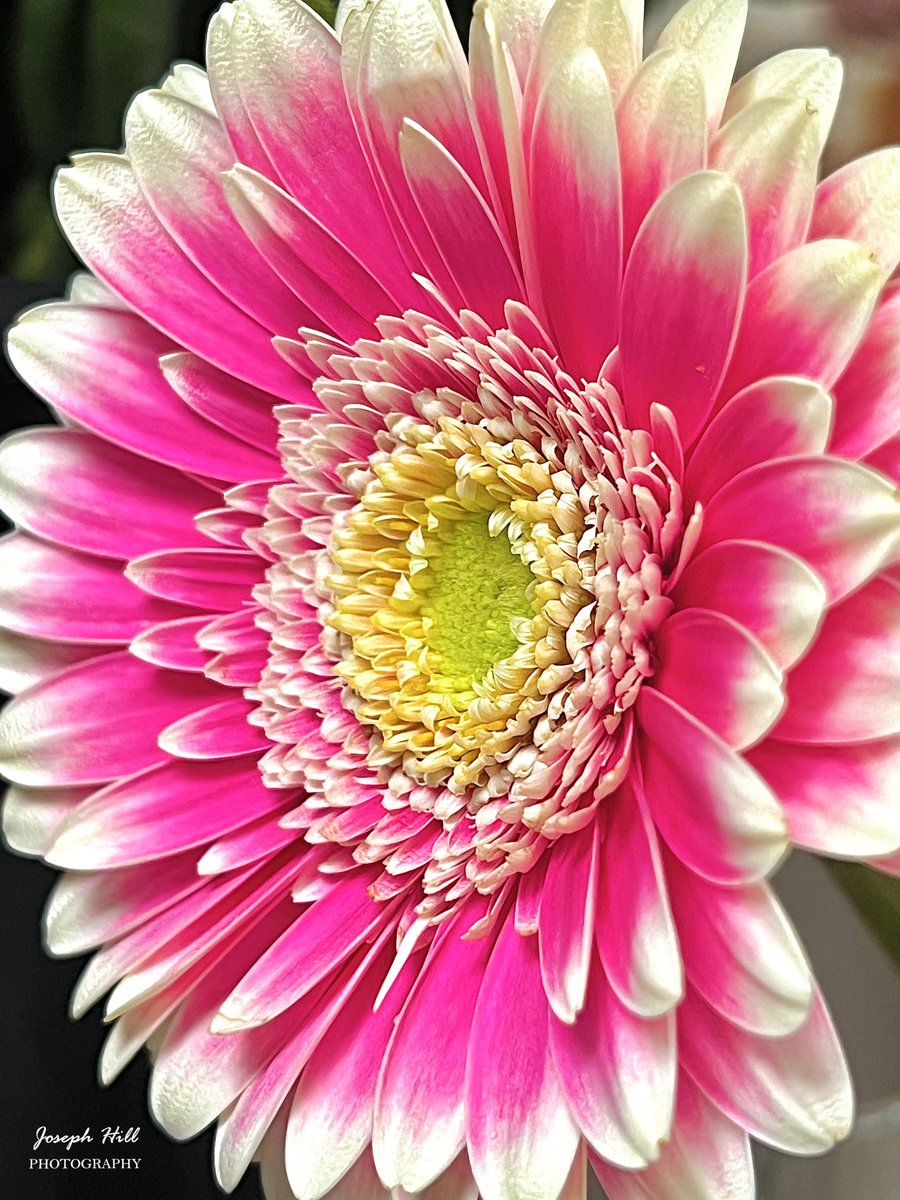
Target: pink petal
x=173, y=644
x=771, y=150
x=845, y=690
x=719, y=673
x=662, y=133
x=713, y=810
x=56, y=349
x=94, y=721
x=868, y=393
x=214, y=580
x=567, y=915
x=241, y=410
x=97, y=201
x=805, y=314
x=618, y=1072
x=740, y=952
x=178, y=153
x=707, y=1157
x=681, y=300
x=48, y=591
x=314, y=945
x=330, y=1123
x=464, y=232
x=146, y=817
x=635, y=931
x=26, y=661
x=792, y=1092
x=862, y=202
x=837, y=799
x=576, y=204
x=841, y=518
x=420, y=1116
x=774, y=418
x=769, y=591
x=113, y=504
x=520, y=1135
x=710, y=31
x=220, y=731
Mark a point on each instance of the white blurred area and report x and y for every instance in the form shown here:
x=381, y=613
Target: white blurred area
x=865, y=33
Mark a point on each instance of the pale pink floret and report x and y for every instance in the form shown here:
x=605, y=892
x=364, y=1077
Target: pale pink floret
x=379, y=983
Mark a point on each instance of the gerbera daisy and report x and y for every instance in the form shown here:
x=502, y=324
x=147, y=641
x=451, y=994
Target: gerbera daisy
x=462, y=570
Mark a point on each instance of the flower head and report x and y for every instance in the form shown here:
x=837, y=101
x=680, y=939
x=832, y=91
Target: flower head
x=465, y=567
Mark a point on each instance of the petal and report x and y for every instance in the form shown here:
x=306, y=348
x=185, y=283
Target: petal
x=32, y=816
x=220, y=731
x=314, y=945
x=740, y=952
x=635, y=931
x=771, y=150
x=707, y=1157
x=178, y=153
x=805, y=314
x=147, y=816
x=330, y=1123
x=241, y=410
x=769, y=591
x=420, y=1116
x=50, y=592
x=94, y=721
x=567, y=913
x=113, y=504
x=774, y=418
x=576, y=206
x=792, y=1092
x=611, y=28
x=868, y=393
x=214, y=580
x=713, y=810
x=463, y=229
x=25, y=661
x=711, y=32
x=862, y=202
x=173, y=644
x=662, y=133
x=618, y=1071
x=113, y=229
x=520, y=1135
x=56, y=348
x=812, y=75
x=840, y=517
x=681, y=300
x=838, y=800
x=719, y=673
x=845, y=690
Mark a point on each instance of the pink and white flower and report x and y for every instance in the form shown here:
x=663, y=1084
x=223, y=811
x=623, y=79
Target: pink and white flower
x=465, y=565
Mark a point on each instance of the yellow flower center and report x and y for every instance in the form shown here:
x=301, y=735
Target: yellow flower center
x=457, y=581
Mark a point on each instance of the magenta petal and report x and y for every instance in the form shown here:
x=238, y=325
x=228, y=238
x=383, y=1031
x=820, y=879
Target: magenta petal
x=95, y=721
x=681, y=300
x=635, y=932
x=219, y=731
x=618, y=1071
x=766, y=589
x=567, y=914
x=791, y=1092
x=707, y=1157
x=51, y=592
x=415, y=1143
x=840, y=799
x=842, y=518
x=145, y=816
x=712, y=809
x=867, y=396
x=717, y=671
x=214, y=580
x=521, y=1137
x=845, y=690
x=113, y=504
x=314, y=945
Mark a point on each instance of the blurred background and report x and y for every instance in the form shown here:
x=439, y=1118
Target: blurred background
x=67, y=70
